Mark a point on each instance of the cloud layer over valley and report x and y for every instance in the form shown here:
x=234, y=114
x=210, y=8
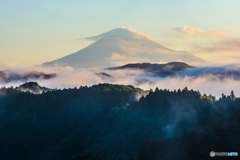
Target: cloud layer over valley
x=209, y=80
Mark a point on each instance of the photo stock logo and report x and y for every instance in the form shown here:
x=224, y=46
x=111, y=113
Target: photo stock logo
x=213, y=154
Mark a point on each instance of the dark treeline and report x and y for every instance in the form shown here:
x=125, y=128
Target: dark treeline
x=109, y=122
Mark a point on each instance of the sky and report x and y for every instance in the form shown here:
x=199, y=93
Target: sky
x=33, y=31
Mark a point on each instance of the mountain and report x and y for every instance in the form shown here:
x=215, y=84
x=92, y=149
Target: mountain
x=33, y=87
x=158, y=69
x=120, y=46
x=8, y=76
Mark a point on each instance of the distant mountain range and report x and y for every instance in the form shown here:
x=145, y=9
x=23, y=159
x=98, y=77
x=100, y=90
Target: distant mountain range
x=120, y=46
x=158, y=69
x=8, y=76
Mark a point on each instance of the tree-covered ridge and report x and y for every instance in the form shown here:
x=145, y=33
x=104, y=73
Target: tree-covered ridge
x=167, y=69
x=108, y=121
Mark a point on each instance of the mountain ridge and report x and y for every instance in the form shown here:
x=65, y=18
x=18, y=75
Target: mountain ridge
x=167, y=69
x=116, y=48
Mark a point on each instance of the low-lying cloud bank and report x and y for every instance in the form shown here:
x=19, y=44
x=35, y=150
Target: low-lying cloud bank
x=209, y=80
x=9, y=76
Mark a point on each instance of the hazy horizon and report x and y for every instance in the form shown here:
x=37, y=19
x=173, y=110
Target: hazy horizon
x=34, y=33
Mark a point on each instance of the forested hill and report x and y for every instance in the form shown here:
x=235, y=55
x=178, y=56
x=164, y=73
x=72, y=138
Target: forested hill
x=106, y=121
x=167, y=69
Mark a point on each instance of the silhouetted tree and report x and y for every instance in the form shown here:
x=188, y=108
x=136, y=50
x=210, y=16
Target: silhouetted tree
x=232, y=96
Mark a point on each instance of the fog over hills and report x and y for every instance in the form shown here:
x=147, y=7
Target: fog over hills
x=7, y=76
x=121, y=46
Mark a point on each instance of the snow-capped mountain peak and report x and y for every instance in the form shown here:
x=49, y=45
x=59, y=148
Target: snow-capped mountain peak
x=121, y=32
x=120, y=46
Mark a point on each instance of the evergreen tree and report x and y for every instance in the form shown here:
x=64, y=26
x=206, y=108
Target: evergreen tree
x=232, y=96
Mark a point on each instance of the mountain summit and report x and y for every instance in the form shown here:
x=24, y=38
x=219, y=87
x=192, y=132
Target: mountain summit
x=120, y=46
x=120, y=32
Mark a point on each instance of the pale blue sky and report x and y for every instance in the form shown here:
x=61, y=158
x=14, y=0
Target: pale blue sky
x=34, y=31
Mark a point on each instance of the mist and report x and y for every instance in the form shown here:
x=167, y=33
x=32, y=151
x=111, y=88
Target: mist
x=210, y=80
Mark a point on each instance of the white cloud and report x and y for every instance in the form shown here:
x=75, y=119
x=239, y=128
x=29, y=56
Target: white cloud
x=68, y=68
x=188, y=30
x=197, y=31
